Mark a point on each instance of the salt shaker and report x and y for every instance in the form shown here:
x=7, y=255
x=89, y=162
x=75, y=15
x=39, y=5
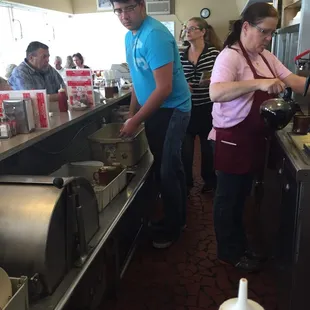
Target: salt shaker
x=5, y=129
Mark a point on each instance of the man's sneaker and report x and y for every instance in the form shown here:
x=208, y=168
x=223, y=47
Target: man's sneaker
x=162, y=243
x=255, y=256
x=156, y=225
x=244, y=263
x=207, y=189
x=159, y=225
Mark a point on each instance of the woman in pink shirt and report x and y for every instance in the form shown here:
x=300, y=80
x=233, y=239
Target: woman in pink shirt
x=245, y=74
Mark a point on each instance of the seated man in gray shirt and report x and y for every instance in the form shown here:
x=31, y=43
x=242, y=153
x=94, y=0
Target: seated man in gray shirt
x=36, y=73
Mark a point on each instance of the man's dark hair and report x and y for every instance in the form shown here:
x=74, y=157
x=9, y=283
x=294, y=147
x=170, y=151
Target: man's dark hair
x=34, y=46
x=125, y=1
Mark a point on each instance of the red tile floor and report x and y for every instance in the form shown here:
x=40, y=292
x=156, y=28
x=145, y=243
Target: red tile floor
x=188, y=276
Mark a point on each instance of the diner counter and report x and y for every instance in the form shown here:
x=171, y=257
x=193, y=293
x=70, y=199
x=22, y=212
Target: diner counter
x=59, y=121
x=108, y=219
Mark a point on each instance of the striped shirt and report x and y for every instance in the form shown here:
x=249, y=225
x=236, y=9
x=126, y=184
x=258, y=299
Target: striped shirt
x=193, y=73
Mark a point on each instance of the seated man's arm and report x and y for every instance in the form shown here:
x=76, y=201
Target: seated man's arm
x=4, y=84
x=20, y=81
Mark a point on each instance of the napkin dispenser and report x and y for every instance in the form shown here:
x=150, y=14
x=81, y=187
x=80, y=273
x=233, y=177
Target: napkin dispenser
x=22, y=111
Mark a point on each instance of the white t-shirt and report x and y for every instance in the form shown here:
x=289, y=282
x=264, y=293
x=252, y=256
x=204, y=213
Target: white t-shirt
x=62, y=73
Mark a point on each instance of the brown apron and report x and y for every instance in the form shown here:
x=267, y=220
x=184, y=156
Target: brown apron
x=241, y=149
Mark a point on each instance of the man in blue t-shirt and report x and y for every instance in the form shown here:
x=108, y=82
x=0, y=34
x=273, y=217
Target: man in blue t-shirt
x=160, y=98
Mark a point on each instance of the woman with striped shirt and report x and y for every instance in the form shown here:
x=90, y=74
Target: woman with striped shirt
x=198, y=60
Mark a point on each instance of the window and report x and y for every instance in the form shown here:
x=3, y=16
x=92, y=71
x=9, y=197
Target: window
x=99, y=37
x=170, y=25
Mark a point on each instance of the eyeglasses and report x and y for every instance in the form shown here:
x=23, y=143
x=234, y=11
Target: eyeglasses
x=127, y=9
x=264, y=32
x=190, y=29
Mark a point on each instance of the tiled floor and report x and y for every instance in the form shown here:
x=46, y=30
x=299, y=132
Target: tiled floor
x=188, y=276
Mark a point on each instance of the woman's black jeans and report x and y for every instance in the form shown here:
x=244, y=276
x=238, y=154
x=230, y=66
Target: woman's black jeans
x=229, y=201
x=200, y=125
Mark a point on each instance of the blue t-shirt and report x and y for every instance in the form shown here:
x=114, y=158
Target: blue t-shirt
x=150, y=48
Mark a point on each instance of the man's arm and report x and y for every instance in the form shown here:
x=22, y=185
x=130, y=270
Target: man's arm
x=4, y=84
x=18, y=81
x=160, y=58
x=163, y=79
x=133, y=103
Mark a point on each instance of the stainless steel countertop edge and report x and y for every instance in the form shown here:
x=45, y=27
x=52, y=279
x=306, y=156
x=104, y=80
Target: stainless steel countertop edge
x=134, y=186
x=48, y=132
x=295, y=156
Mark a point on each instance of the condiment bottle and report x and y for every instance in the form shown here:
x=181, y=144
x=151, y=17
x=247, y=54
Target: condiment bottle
x=242, y=302
x=5, y=129
x=62, y=100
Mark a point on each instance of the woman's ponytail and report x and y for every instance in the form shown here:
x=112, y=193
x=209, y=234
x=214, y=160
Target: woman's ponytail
x=234, y=35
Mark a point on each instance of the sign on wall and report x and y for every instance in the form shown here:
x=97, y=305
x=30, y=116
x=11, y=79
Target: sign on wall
x=104, y=5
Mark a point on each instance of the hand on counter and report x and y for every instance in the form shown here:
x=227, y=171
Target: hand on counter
x=129, y=128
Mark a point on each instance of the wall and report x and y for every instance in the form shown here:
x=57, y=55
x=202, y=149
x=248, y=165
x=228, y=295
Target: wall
x=241, y=4
x=221, y=12
x=57, y=5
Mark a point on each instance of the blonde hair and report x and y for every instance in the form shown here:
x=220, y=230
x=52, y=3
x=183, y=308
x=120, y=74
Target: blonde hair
x=210, y=36
x=9, y=69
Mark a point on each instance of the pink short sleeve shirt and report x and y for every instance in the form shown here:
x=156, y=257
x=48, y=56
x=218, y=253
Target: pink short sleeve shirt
x=231, y=66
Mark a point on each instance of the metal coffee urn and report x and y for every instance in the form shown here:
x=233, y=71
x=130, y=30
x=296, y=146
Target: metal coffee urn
x=46, y=225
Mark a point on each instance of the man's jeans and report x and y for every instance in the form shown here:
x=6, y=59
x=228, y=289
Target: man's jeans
x=165, y=131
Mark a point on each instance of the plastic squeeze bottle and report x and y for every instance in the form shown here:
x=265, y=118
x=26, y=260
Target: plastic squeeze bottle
x=62, y=100
x=242, y=302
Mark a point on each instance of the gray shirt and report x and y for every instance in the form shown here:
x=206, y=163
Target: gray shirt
x=24, y=77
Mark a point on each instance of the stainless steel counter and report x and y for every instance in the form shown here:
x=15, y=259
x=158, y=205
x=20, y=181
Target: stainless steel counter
x=59, y=121
x=285, y=216
x=292, y=145
x=109, y=218
x=113, y=216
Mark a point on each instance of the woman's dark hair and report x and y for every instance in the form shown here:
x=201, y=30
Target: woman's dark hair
x=254, y=14
x=80, y=57
x=210, y=36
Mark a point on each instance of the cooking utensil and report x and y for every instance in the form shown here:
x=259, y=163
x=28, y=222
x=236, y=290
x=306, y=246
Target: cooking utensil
x=301, y=124
x=301, y=62
x=307, y=86
x=278, y=112
x=5, y=288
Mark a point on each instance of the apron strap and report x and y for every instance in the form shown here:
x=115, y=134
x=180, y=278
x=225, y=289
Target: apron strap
x=267, y=64
x=246, y=56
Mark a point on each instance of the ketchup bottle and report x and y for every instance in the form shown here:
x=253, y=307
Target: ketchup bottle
x=62, y=100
